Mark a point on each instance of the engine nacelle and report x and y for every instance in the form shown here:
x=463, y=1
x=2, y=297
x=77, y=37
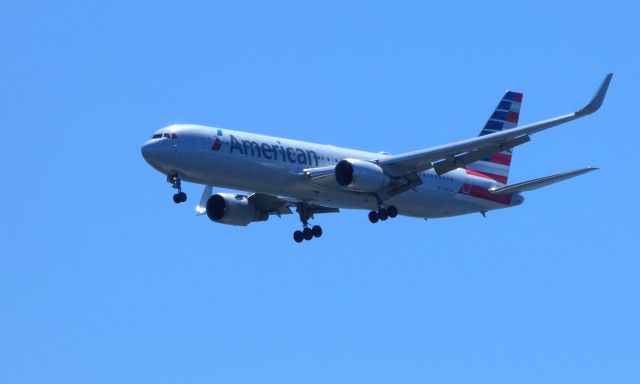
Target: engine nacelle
x=227, y=208
x=360, y=175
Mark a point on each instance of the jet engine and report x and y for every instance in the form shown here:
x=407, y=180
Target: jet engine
x=228, y=208
x=360, y=175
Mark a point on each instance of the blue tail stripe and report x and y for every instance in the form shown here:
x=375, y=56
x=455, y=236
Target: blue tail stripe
x=510, y=95
x=499, y=115
x=504, y=105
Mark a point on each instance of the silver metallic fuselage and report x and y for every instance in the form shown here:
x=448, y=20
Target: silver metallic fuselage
x=274, y=166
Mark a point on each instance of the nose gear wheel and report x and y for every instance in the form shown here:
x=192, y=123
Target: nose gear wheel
x=179, y=197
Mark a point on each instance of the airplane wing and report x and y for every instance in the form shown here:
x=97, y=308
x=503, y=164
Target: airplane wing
x=445, y=158
x=274, y=205
x=269, y=203
x=404, y=168
x=278, y=205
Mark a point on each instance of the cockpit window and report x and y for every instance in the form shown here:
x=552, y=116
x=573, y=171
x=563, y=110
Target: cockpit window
x=167, y=135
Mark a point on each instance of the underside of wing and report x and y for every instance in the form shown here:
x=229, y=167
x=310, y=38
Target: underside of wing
x=280, y=205
x=269, y=203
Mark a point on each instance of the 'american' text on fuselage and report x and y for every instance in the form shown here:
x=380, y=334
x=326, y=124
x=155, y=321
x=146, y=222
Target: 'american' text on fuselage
x=271, y=152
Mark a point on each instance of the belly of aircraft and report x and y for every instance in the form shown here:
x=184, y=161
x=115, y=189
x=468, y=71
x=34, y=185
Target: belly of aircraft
x=426, y=201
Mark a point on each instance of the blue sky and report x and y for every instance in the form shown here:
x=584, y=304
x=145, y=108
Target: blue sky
x=104, y=280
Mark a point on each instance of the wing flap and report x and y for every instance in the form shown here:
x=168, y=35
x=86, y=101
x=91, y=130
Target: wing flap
x=269, y=203
x=461, y=161
x=282, y=205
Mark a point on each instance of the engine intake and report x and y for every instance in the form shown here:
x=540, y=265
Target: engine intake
x=227, y=208
x=360, y=175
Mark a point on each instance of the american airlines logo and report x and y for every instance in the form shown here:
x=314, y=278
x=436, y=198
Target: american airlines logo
x=217, y=144
x=275, y=152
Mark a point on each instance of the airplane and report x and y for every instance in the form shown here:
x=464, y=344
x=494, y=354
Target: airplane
x=468, y=176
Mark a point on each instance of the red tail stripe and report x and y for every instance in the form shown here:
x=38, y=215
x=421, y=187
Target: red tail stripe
x=498, y=178
x=501, y=158
x=513, y=117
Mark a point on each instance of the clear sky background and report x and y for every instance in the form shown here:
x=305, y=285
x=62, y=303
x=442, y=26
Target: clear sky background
x=104, y=280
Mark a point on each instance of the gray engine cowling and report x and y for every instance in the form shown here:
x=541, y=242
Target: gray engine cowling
x=227, y=208
x=360, y=175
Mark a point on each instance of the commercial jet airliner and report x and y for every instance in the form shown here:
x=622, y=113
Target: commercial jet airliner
x=278, y=175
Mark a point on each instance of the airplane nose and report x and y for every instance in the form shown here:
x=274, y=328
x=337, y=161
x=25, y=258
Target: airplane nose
x=158, y=153
x=150, y=152
x=146, y=150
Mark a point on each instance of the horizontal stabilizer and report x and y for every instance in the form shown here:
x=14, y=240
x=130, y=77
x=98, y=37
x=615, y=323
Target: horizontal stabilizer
x=541, y=182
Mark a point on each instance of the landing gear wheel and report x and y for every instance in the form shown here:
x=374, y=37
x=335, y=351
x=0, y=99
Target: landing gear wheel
x=373, y=217
x=180, y=197
x=392, y=211
x=307, y=233
x=382, y=214
x=305, y=212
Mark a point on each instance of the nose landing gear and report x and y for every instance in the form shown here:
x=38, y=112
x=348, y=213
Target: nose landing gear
x=179, y=197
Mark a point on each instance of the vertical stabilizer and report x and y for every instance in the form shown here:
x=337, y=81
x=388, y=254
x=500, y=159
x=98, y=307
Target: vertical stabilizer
x=505, y=116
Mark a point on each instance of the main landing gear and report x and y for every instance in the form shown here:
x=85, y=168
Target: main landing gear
x=179, y=197
x=307, y=232
x=383, y=214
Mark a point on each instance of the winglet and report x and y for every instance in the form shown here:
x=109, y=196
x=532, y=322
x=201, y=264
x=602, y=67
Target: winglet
x=597, y=99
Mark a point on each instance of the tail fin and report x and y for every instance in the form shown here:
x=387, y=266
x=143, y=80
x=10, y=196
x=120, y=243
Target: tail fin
x=504, y=117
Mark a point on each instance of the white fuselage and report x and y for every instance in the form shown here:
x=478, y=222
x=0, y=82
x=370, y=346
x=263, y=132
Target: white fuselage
x=274, y=166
